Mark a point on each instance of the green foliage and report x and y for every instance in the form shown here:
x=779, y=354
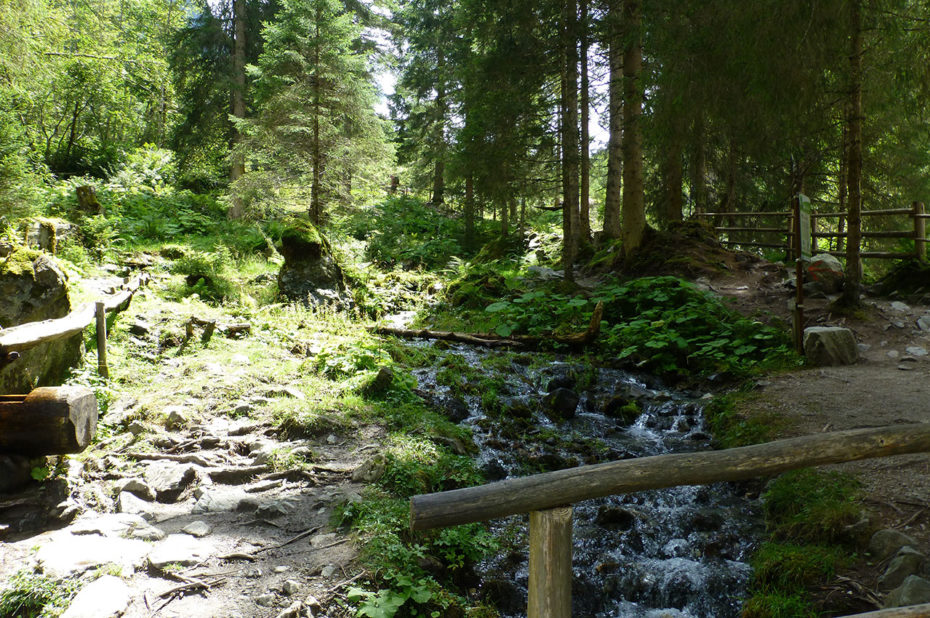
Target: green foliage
x=350, y=358
x=418, y=466
x=777, y=605
x=778, y=566
x=732, y=429
x=408, y=232
x=206, y=274
x=29, y=595
x=810, y=506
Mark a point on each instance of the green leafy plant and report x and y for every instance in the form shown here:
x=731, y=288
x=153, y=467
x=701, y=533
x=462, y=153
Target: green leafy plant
x=30, y=595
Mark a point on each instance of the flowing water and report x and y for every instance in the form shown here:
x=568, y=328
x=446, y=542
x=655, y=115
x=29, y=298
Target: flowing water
x=678, y=552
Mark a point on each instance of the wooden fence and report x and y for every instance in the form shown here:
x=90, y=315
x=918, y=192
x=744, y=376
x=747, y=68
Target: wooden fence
x=784, y=230
x=548, y=497
x=18, y=338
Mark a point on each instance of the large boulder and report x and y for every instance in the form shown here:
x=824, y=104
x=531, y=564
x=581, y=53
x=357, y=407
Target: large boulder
x=830, y=345
x=33, y=288
x=826, y=272
x=310, y=274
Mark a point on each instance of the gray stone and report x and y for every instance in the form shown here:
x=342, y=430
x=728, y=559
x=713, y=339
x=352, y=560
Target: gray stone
x=140, y=328
x=371, y=470
x=294, y=610
x=129, y=503
x=888, y=542
x=15, y=472
x=137, y=428
x=178, y=549
x=826, y=272
x=290, y=587
x=899, y=306
x=265, y=600
x=136, y=487
x=914, y=591
x=329, y=570
x=381, y=382
x=197, y=528
x=168, y=479
x=892, y=354
x=243, y=409
x=276, y=508
x=105, y=597
x=916, y=350
x=252, y=573
x=319, y=540
x=175, y=418
x=923, y=323
x=68, y=555
x=830, y=345
x=561, y=404
x=248, y=504
x=908, y=561
x=47, y=234
x=33, y=289
x=217, y=499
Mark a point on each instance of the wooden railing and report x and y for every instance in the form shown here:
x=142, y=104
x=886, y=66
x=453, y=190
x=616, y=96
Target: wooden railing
x=786, y=231
x=18, y=338
x=548, y=497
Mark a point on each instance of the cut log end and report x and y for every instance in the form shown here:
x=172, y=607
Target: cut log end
x=48, y=421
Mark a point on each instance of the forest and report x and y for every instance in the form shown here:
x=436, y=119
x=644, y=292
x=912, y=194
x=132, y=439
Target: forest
x=383, y=248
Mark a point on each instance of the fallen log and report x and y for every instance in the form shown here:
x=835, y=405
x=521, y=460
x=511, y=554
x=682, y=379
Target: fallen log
x=574, y=340
x=48, y=421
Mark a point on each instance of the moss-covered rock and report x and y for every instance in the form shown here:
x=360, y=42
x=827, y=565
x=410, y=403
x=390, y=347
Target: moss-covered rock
x=310, y=273
x=33, y=289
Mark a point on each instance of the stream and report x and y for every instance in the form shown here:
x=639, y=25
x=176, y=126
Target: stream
x=678, y=552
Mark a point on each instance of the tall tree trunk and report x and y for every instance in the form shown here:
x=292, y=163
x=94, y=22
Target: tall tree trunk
x=584, y=204
x=469, y=211
x=237, y=163
x=673, y=182
x=612, y=198
x=841, y=187
x=316, y=183
x=854, y=160
x=698, y=164
x=634, y=213
x=569, y=104
x=439, y=164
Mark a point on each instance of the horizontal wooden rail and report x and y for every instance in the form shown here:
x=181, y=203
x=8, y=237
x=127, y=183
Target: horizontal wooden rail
x=764, y=245
x=879, y=234
x=777, y=230
x=878, y=255
x=25, y=336
x=911, y=611
x=565, y=487
x=742, y=214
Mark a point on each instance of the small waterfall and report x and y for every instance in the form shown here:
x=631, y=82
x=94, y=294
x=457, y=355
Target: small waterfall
x=678, y=552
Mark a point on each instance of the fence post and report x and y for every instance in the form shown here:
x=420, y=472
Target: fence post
x=550, y=585
x=102, y=368
x=920, y=232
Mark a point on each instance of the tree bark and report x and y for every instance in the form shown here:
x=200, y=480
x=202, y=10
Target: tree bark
x=316, y=183
x=853, y=278
x=634, y=214
x=673, y=182
x=698, y=164
x=584, y=204
x=237, y=163
x=469, y=211
x=569, y=136
x=612, y=199
x=439, y=164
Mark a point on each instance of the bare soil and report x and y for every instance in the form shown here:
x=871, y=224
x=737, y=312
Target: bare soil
x=887, y=386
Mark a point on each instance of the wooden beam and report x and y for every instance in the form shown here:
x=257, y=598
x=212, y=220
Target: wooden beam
x=48, y=421
x=551, y=489
x=550, y=577
x=911, y=611
x=25, y=336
